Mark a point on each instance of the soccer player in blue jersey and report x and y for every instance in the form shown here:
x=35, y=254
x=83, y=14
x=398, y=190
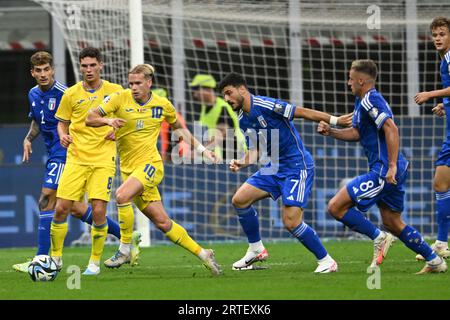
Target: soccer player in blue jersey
x=289, y=173
x=440, y=32
x=44, y=100
x=384, y=184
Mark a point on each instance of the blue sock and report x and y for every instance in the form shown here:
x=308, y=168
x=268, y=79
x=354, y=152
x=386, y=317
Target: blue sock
x=248, y=218
x=414, y=240
x=357, y=222
x=113, y=226
x=309, y=238
x=443, y=215
x=45, y=220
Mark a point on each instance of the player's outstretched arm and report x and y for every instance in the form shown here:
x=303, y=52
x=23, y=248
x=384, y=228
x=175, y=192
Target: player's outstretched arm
x=96, y=119
x=178, y=128
x=393, y=145
x=317, y=116
x=31, y=135
x=346, y=134
x=424, y=96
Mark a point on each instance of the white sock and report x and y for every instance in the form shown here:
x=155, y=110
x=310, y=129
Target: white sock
x=97, y=263
x=380, y=235
x=326, y=258
x=203, y=254
x=435, y=261
x=125, y=248
x=441, y=244
x=256, y=246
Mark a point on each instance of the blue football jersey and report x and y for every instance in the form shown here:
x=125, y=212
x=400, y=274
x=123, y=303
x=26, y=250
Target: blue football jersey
x=43, y=106
x=370, y=114
x=267, y=114
x=445, y=77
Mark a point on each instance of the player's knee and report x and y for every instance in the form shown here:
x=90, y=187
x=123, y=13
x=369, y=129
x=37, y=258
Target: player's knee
x=333, y=209
x=121, y=197
x=240, y=202
x=61, y=211
x=439, y=186
x=163, y=224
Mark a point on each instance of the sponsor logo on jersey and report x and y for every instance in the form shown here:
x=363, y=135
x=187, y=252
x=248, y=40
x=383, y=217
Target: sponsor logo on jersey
x=129, y=110
x=52, y=104
x=33, y=104
x=278, y=108
x=142, y=110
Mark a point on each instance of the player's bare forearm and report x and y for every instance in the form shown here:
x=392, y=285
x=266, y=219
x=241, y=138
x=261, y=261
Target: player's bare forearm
x=185, y=134
x=393, y=145
x=33, y=132
x=346, y=134
x=95, y=119
x=317, y=116
x=392, y=141
x=422, y=97
x=63, y=128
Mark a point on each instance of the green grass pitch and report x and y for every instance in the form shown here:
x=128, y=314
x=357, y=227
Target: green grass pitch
x=167, y=272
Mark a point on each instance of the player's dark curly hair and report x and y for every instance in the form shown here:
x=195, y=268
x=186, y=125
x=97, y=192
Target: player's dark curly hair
x=440, y=22
x=232, y=79
x=90, y=52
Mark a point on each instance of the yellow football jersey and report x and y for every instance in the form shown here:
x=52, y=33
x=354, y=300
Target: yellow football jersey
x=137, y=139
x=89, y=146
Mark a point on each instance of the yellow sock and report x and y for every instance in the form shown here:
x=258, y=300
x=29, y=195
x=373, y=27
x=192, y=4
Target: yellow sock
x=178, y=235
x=58, y=232
x=126, y=222
x=98, y=236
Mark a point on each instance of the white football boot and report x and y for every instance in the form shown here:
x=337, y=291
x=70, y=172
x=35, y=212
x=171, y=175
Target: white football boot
x=326, y=265
x=211, y=264
x=117, y=260
x=381, y=247
x=436, y=265
x=135, y=249
x=22, y=267
x=441, y=250
x=92, y=269
x=251, y=257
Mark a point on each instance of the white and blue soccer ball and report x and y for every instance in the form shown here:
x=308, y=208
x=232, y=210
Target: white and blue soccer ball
x=43, y=268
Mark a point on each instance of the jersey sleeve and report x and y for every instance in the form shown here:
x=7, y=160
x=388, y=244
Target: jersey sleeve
x=31, y=114
x=279, y=108
x=378, y=110
x=170, y=113
x=110, y=104
x=64, y=112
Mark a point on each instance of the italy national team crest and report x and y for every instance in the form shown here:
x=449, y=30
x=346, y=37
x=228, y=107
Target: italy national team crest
x=51, y=104
x=262, y=122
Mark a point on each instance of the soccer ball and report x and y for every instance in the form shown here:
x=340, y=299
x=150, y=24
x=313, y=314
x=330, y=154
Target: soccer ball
x=43, y=268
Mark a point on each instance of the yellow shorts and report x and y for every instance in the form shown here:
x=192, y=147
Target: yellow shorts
x=150, y=175
x=77, y=179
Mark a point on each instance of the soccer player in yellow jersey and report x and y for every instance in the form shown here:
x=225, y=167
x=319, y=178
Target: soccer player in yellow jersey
x=90, y=164
x=139, y=117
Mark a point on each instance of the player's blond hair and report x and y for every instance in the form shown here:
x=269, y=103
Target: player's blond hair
x=40, y=58
x=146, y=69
x=366, y=66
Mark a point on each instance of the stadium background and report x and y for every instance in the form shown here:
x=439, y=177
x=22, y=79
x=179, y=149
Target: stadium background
x=192, y=194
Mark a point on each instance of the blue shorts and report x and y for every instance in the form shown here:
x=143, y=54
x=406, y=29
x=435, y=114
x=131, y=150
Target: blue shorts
x=444, y=155
x=294, y=185
x=370, y=189
x=53, y=171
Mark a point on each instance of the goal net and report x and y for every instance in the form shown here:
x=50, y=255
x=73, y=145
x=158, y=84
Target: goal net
x=299, y=51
